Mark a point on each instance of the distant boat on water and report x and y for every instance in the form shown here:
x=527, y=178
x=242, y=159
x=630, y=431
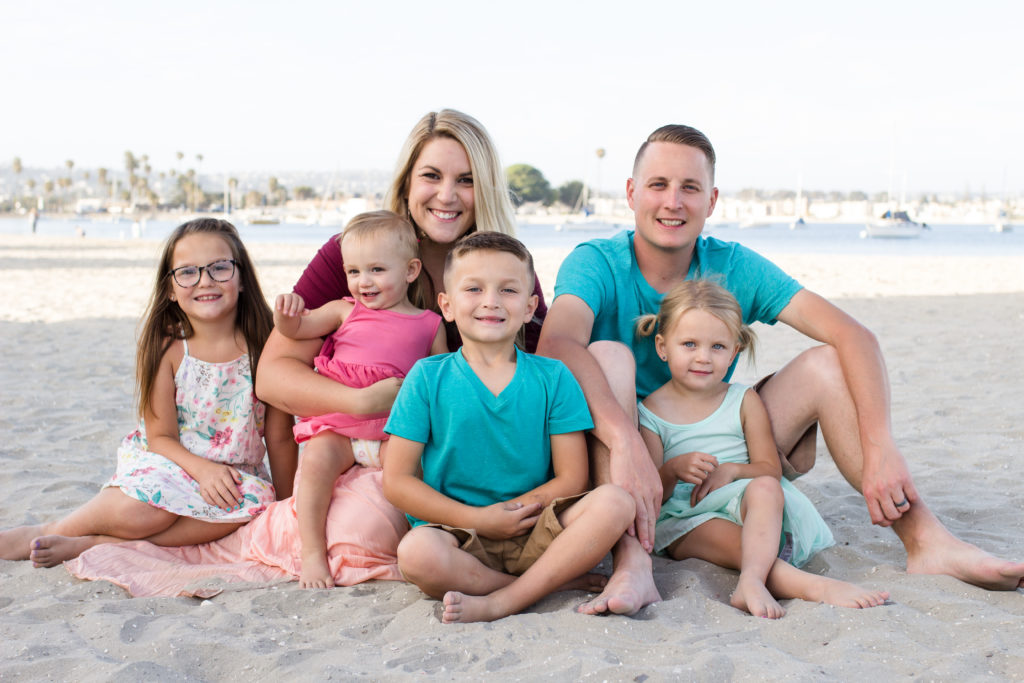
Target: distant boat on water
x=263, y=218
x=893, y=225
x=798, y=224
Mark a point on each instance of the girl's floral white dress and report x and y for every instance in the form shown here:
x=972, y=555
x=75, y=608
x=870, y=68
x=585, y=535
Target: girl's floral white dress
x=220, y=419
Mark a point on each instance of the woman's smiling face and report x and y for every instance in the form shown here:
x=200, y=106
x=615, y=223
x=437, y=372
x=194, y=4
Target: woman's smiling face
x=441, y=195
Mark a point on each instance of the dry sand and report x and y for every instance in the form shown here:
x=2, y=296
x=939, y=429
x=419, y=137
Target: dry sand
x=950, y=329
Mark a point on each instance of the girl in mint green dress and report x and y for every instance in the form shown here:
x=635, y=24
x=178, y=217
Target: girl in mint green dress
x=724, y=499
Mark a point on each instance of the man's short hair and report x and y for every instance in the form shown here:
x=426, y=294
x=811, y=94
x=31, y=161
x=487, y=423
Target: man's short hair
x=680, y=135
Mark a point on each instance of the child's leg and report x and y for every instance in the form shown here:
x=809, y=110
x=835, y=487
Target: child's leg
x=761, y=512
x=751, y=548
x=431, y=559
x=786, y=581
x=591, y=527
x=324, y=458
x=109, y=516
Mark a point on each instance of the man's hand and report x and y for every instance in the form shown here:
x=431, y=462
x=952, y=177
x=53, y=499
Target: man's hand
x=506, y=519
x=632, y=469
x=887, y=487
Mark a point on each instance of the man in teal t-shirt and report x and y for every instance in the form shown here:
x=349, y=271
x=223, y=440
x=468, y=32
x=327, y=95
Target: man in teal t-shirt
x=843, y=383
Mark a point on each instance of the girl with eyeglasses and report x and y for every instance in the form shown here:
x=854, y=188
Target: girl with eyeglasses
x=193, y=470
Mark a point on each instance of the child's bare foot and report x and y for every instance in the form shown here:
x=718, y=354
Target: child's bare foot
x=15, y=544
x=49, y=551
x=460, y=608
x=315, y=571
x=752, y=596
x=843, y=594
x=630, y=587
x=591, y=582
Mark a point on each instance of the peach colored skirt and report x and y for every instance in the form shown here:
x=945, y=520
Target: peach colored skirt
x=363, y=530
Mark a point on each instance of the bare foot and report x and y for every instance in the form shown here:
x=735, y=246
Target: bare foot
x=630, y=587
x=15, y=544
x=315, y=571
x=946, y=554
x=843, y=594
x=752, y=596
x=49, y=551
x=460, y=608
x=591, y=582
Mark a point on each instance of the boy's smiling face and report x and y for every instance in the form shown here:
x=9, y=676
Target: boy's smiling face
x=489, y=295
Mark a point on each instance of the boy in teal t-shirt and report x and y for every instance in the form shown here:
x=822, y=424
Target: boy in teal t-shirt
x=487, y=454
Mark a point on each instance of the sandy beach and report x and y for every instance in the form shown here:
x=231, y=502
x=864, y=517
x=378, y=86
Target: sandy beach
x=950, y=328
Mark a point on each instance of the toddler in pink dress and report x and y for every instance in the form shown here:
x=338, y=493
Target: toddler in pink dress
x=376, y=334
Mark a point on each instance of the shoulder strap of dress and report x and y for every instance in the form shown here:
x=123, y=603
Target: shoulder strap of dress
x=185, y=342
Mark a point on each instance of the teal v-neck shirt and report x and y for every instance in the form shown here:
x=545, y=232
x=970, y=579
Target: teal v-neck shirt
x=481, y=449
x=604, y=274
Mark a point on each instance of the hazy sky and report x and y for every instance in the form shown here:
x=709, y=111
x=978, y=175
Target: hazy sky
x=835, y=93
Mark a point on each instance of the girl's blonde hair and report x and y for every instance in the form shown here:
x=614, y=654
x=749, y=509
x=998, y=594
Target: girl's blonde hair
x=164, y=321
x=703, y=295
x=492, y=204
x=391, y=226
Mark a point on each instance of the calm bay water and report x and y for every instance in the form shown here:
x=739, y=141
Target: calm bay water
x=823, y=238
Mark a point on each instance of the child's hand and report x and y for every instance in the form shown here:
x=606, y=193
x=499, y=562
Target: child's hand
x=290, y=305
x=694, y=467
x=716, y=479
x=218, y=485
x=507, y=520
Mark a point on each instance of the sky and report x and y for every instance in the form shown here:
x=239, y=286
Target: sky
x=872, y=96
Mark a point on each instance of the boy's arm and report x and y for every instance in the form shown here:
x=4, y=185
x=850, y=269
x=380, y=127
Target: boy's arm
x=572, y=472
x=405, y=489
x=282, y=451
x=884, y=475
x=566, y=336
x=297, y=322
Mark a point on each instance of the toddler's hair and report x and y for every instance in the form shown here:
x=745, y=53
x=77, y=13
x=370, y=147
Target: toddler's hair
x=164, y=321
x=703, y=295
x=383, y=224
x=491, y=241
x=389, y=225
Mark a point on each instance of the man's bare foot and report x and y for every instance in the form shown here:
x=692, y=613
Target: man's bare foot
x=49, y=551
x=315, y=571
x=752, y=596
x=943, y=553
x=843, y=594
x=460, y=608
x=15, y=544
x=630, y=587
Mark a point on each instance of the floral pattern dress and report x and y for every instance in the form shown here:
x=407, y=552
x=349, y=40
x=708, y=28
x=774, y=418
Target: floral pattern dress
x=220, y=419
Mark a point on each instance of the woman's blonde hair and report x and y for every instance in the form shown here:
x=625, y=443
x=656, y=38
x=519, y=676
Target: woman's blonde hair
x=164, y=321
x=703, y=295
x=492, y=204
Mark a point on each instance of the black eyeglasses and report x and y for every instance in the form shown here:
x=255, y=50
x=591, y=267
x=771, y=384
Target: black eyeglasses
x=189, y=276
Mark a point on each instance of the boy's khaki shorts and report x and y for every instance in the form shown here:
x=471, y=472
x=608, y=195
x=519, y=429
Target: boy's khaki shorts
x=800, y=459
x=514, y=555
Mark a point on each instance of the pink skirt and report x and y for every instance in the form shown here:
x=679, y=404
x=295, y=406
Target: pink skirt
x=363, y=531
